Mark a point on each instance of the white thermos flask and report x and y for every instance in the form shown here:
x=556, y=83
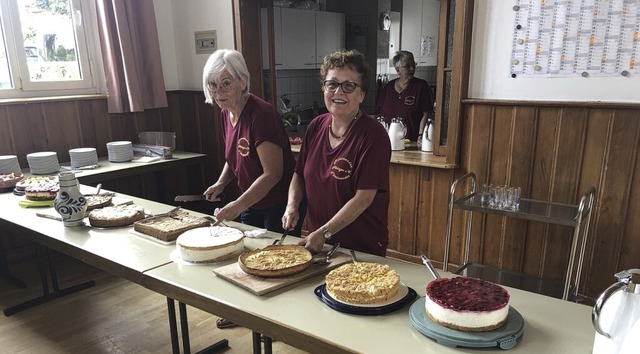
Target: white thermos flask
x=427, y=138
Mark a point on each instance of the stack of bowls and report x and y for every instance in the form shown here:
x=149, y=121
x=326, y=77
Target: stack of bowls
x=43, y=163
x=120, y=151
x=83, y=157
x=9, y=164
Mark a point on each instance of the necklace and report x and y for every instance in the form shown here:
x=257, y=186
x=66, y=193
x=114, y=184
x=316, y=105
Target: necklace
x=345, y=133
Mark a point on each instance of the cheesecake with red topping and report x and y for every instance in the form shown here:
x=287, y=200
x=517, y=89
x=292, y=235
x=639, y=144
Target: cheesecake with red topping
x=467, y=304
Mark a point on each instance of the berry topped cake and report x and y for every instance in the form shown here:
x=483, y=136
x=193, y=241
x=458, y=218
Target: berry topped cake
x=467, y=304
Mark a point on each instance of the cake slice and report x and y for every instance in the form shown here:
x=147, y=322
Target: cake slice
x=168, y=228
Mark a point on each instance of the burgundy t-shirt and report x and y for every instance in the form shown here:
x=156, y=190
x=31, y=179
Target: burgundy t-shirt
x=409, y=104
x=259, y=122
x=332, y=177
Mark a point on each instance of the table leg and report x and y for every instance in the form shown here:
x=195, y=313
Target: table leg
x=5, y=272
x=44, y=261
x=184, y=329
x=258, y=338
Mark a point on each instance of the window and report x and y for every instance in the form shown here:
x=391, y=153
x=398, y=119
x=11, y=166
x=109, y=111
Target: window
x=48, y=48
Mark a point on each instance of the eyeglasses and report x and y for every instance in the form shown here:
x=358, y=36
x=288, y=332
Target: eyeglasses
x=224, y=86
x=332, y=86
x=408, y=67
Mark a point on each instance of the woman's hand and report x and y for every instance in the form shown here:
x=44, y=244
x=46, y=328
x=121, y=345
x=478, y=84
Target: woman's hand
x=290, y=218
x=213, y=192
x=313, y=242
x=229, y=212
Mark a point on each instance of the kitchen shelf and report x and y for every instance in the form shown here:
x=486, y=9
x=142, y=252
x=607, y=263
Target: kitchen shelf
x=529, y=209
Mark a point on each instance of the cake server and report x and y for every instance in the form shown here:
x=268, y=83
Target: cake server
x=433, y=270
x=281, y=240
x=327, y=258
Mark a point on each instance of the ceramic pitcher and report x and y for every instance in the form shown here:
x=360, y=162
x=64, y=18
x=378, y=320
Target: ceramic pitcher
x=70, y=203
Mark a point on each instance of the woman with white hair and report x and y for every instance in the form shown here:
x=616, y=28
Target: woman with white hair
x=257, y=150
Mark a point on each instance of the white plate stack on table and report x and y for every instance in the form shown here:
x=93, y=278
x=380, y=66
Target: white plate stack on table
x=83, y=157
x=9, y=164
x=120, y=151
x=43, y=163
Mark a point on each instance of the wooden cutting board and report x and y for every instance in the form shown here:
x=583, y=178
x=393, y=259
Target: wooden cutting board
x=261, y=286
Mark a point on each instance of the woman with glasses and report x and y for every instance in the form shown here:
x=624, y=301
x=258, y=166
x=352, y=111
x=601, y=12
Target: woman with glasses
x=257, y=150
x=407, y=97
x=343, y=166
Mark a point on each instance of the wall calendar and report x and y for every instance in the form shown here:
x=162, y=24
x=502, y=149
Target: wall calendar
x=560, y=38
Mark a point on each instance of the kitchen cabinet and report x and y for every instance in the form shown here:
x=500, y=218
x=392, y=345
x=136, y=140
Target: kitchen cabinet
x=277, y=36
x=330, y=34
x=302, y=37
x=529, y=209
x=298, y=39
x=424, y=15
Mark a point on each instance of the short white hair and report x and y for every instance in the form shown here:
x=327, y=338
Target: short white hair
x=222, y=60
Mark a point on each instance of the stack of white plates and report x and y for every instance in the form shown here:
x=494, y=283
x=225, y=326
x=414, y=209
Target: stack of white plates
x=43, y=163
x=9, y=164
x=83, y=157
x=120, y=151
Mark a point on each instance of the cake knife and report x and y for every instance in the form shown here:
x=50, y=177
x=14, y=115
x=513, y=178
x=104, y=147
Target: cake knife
x=196, y=197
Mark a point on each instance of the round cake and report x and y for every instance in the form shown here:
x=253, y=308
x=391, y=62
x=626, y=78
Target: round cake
x=362, y=283
x=467, y=304
x=210, y=244
x=39, y=188
x=8, y=181
x=275, y=261
x=96, y=201
x=115, y=216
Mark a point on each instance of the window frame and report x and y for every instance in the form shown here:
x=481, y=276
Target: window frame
x=88, y=55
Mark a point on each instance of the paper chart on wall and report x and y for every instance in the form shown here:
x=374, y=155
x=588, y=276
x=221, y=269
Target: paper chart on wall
x=559, y=38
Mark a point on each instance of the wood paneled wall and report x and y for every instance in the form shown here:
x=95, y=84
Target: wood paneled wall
x=554, y=151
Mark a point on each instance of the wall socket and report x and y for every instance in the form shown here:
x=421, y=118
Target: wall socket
x=206, y=42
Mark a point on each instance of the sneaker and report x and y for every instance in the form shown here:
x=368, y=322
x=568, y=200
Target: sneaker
x=224, y=323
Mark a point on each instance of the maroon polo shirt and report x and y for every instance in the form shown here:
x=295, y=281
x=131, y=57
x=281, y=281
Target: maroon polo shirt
x=332, y=177
x=259, y=122
x=409, y=104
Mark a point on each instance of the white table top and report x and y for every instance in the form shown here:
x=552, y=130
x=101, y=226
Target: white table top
x=102, y=247
x=294, y=314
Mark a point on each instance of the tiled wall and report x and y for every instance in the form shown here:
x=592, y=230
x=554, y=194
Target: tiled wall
x=302, y=87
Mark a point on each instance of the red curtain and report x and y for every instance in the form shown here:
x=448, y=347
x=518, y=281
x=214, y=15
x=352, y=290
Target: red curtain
x=131, y=55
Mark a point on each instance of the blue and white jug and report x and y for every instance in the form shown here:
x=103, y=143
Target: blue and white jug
x=70, y=203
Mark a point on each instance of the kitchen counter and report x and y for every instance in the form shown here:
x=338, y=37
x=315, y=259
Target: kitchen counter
x=411, y=155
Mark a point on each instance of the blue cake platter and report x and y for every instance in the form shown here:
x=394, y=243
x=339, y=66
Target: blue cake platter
x=504, y=337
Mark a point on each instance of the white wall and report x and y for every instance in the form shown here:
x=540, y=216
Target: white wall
x=177, y=22
x=490, y=63
x=491, y=51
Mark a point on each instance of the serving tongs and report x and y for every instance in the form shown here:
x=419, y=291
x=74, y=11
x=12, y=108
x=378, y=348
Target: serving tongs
x=281, y=240
x=430, y=266
x=327, y=258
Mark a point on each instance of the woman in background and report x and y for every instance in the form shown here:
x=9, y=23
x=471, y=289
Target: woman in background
x=343, y=166
x=407, y=97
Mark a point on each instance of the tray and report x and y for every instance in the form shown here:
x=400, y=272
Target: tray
x=261, y=286
x=504, y=337
x=406, y=295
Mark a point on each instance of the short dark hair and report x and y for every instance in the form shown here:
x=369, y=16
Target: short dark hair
x=403, y=55
x=351, y=59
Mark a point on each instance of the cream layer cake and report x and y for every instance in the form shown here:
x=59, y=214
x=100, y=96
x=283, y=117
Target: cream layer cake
x=210, y=244
x=467, y=304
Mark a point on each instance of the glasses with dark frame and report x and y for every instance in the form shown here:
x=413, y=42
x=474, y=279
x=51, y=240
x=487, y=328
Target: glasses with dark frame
x=332, y=86
x=224, y=86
